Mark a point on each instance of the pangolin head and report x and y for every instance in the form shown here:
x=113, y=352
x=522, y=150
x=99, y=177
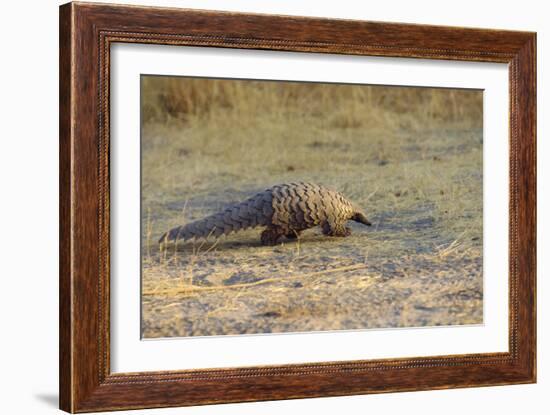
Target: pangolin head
x=358, y=216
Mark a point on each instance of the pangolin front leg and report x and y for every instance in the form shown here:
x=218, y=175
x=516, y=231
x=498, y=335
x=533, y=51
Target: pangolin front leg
x=335, y=229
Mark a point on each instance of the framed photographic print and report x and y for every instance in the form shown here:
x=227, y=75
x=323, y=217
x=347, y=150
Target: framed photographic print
x=260, y=207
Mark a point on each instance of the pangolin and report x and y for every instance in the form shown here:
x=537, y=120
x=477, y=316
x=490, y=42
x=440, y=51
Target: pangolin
x=284, y=209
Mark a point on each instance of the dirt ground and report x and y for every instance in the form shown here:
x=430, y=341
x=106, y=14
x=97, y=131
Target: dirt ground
x=411, y=157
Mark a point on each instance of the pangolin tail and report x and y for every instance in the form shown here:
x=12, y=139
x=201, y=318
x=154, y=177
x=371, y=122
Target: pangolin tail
x=255, y=211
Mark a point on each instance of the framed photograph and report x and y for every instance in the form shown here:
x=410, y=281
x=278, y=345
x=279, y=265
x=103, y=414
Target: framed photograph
x=258, y=207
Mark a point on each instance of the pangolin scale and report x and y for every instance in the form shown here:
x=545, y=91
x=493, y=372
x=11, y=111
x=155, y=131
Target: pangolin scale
x=284, y=210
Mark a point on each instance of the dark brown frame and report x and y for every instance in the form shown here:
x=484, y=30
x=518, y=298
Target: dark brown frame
x=86, y=33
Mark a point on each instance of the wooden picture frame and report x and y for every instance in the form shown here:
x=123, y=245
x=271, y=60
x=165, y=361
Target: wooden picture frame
x=86, y=33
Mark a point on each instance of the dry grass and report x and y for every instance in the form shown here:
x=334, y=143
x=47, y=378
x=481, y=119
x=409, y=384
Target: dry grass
x=411, y=156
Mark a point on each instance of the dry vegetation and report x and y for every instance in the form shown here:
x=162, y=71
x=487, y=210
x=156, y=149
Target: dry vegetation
x=412, y=157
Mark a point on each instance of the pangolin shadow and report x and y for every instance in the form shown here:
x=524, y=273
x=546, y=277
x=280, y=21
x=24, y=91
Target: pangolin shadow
x=226, y=243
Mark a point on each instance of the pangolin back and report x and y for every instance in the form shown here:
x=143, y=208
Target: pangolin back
x=284, y=209
x=299, y=206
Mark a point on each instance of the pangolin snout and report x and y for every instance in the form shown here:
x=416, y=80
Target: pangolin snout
x=361, y=218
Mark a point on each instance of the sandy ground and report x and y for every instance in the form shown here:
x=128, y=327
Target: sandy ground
x=420, y=264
